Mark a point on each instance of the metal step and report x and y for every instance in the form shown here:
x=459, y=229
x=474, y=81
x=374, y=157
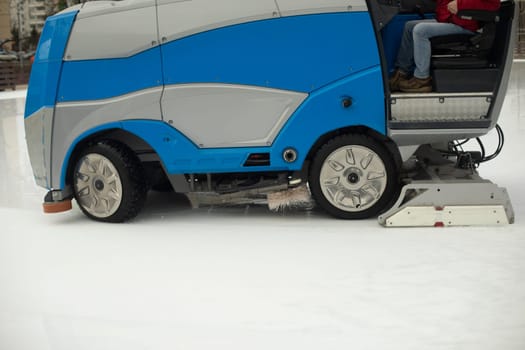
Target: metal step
x=440, y=107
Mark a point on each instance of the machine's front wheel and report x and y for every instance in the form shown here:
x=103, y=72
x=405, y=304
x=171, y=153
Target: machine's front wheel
x=353, y=176
x=109, y=182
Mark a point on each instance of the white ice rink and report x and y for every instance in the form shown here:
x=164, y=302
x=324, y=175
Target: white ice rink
x=247, y=279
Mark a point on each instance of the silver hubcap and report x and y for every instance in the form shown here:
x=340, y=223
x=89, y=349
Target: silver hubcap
x=98, y=185
x=353, y=178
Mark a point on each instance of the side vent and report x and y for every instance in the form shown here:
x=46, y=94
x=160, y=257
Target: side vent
x=258, y=159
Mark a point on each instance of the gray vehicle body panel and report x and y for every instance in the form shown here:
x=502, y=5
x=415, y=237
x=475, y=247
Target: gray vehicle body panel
x=233, y=115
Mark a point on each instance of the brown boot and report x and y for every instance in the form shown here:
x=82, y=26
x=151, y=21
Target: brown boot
x=395, y=79
x=416, y=85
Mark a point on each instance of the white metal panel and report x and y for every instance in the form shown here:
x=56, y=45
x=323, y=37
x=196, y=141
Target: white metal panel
x=218, y=115
x=294, y=7
x=112, y=30
x=96, y=8
x=181, y=18
x=445, y=195
x=467, y=215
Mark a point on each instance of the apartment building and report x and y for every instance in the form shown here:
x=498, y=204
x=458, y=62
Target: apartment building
x=26, y=14
x=5, y=20
x=520, y=47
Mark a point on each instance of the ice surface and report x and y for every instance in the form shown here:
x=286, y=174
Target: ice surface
x=247, y=278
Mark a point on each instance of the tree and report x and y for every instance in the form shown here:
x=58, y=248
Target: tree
x=15, y=37
x=50, y=7
x=61, y=5
x=32, y=41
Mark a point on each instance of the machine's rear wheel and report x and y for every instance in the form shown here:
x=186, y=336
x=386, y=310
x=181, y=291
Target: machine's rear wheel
x=109, y=182
x=353, y=177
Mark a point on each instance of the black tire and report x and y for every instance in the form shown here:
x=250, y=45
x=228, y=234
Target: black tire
x=109, y=183
x=353, y=176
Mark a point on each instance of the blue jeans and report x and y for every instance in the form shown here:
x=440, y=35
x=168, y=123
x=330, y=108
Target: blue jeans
x=414, y=52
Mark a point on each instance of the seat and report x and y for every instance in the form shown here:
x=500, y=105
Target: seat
x=465, y=50
x=468, y=63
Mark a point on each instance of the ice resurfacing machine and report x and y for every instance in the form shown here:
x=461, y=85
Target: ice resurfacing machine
x=244, y=101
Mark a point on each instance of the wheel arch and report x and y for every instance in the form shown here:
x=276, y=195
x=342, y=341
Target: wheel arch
x=112, y=132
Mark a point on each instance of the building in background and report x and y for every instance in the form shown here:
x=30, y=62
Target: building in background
x=520, y=47
x=27, y=19
x=5, y=20
x=26, y=14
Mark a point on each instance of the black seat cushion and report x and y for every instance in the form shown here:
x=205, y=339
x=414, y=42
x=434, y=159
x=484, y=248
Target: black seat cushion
x=465, y=62
x=445, y=44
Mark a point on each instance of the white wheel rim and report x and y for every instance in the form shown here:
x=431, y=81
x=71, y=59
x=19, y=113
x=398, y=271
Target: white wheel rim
x=353, y=178
x=98, y=185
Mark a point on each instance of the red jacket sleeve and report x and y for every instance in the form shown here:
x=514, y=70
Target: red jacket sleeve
x=443, y=15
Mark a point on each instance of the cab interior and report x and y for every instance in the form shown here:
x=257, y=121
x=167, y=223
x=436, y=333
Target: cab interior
x=466, y=71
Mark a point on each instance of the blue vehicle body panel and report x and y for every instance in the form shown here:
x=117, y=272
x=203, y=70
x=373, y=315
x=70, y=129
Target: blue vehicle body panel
x=177, y=153
x=313, y=54
x=180, y=155
x=321, y=113
x=298, y=53
x=46, y=69
x=100, y=79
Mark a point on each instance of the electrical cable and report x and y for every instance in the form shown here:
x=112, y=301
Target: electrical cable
x=466, y=157
x=461, y=143
x=482, y=148
x=501, y=142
